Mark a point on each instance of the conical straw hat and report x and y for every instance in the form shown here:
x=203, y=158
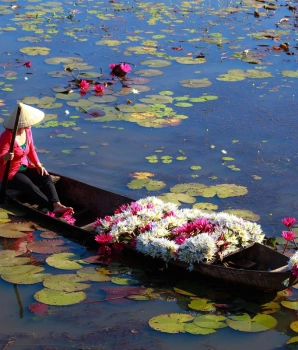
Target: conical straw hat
x=28, y=117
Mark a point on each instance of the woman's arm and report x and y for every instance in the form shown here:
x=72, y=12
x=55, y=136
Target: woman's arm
x=5, y=140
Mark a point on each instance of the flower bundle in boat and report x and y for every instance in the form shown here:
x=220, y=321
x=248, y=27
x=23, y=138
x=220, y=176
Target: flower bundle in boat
x=163, y=231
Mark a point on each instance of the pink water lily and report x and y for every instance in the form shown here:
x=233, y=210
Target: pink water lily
x=119, y=70
x=288, y=235
x=288, y=221
x=104, y=238
x=99, y=89
x=49, y=213
x=84, y=85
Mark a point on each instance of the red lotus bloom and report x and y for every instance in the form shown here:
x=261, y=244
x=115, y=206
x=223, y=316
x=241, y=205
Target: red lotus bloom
x=27, y=64
x=68, y=217
x=288, y=235
x=117, y=246
x=97, y=222
x=119, y=70
x=185, y=228
x=295, y=270
x=288, y=221
x=38, y=309
x=84, y=84
x=49, y=213
x=104, y=250
x=104, y=238
x=99, y=89
x=169, y=213
x=147, y=227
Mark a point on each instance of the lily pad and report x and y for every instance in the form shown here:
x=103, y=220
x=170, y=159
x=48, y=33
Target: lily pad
x=244, y=323
x=156, y=63
x=245, y=214
x=58, y=298
x=205, y=206
x=27, y=278
x=20, y=270
x=93, y=274
x=64, y=60
x=47, y=246
x=195, y=83
x=65, y=261
x=65, y=283
x=35, y=50
x=293, y=305
x=170, y=323
x=148, y=72
x=201, y=304
x=11, y=258
x=124, y=281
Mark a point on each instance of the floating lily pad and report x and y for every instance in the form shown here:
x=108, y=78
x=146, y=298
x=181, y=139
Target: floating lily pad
x=148, y=72
x=20, y=270
x=170, y=323
x=27, y=278
x=65, y=60
x=156, y=63
x=190, y=60
x=124, y=281
x=150, y=185
x=8, y=233
x=290, y=73
x=137, y=108
x=35, y=50
x=187, y=187
x=47, y=246
x=195, y=83
x=65, y=261
x=156, y=99
x=65, y=283
x=11, y=258
x=245, y=214
x=108, y=42
x=293, y=305
x=192, y=328
x=205, y=206
x=53, y=297
x=93, y=274
x=201, y=304
x=102, y=99
x=244, y=323
x=292, y=340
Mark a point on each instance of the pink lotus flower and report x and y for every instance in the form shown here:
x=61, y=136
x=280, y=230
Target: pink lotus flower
x=288, y=221
x=121, y=208
x=135, y=208
x=180, y=239
x=119, y=70
x=84, y=84
x=203, y=225
x=185, y=228
x=49, y=213
x=104, y=238
x=295, y=270
x=27, y=64
x=99, y=89
x=288, y=235
x=97, y=222
x=68, y=217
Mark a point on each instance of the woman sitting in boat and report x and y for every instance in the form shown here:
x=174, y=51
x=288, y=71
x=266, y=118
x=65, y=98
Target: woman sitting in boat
x=26, y=173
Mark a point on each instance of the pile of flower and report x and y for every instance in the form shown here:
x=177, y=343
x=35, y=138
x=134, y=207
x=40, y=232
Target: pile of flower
x=161, y=230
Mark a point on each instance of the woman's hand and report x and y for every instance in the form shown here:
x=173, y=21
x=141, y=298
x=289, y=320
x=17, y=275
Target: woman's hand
x=41, y=170
x=8, y=156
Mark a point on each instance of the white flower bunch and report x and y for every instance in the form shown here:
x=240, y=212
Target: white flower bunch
x=293, y=260
x=196, y=249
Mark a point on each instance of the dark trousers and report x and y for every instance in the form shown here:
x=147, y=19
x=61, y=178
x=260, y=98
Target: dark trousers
x=31, y=182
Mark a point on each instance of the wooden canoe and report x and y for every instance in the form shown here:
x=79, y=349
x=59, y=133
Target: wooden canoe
x=257, y=266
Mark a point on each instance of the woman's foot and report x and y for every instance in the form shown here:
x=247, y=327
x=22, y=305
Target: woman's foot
x=60, y=209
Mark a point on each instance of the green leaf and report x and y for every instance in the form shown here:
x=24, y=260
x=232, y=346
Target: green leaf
x=201, y=304
x=64, y=261
x=124, y=281
x=58, y=298
x=170, y=323
x=293, y=305
x=65, y=283
x=244, y=323
x=93, y=274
